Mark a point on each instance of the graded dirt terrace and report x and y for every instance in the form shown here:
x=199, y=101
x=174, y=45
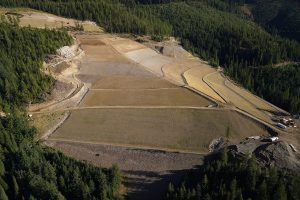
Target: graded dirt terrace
x=132, y=82
x=129, y=104
x=143, y=97
x=241, y=101
x=195, y=79
x=185, y=70
x=162, y=128
x=102, y=61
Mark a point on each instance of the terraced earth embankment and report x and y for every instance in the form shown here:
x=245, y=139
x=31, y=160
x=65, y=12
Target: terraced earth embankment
x=129, y=103
x=132, y=104
x=141, y=108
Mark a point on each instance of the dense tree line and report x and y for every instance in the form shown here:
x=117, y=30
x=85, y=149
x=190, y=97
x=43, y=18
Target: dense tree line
x=109, y=14
x=30, y=171
x=280, y=16
x=21, y=56
x=27, y=170
x=216, y=30
x=223, y=5
x=276, y=16
x=229, y=179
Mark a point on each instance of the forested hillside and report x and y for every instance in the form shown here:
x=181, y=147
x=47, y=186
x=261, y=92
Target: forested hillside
x=113, y=16
x=28, y=170
x=217, y=31
x=21, y=56
x=279, y=16
x=223, y=178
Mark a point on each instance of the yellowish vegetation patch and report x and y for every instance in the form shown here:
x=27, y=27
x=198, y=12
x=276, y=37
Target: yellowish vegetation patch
x=44, y=122
x=88, y=27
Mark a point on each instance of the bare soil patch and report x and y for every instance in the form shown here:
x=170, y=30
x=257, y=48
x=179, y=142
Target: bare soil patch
x=194, y=78
x=155, y=64
x=141, y=54
x=93, y=71
x=184, y=129
x=61, y=67
x=144, y=97
x=259, y=103
x=126, y=45
x=174, y=71
x=131, y=82
x=104, y=61
x=42, y=20
x=39, y=19
x=150, y=59
x=91, y=42
x=217, y=81
x=98, y=53
x=60, y=88
x=168, y=47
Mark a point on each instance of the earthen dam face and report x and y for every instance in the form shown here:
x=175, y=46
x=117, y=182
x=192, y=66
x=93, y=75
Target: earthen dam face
x=130, y=103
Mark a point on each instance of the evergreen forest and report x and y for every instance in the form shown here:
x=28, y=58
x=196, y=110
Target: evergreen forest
x=224, y=178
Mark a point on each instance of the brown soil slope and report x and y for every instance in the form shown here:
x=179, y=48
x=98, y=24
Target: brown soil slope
x=183, y=129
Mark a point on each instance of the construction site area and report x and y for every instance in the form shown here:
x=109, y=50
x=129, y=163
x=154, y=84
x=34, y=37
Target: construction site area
x=152, y=108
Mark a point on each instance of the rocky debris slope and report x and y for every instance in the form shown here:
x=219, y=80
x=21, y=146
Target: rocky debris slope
x=279, y=154
x=217, y=144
